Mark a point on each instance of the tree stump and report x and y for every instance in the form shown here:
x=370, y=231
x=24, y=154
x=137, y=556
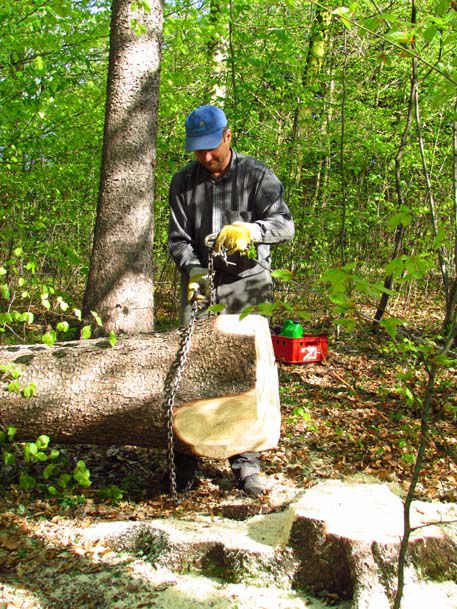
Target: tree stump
x=347, y=537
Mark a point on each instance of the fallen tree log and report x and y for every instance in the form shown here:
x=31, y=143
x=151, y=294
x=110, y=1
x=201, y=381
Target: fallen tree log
x=90, y=392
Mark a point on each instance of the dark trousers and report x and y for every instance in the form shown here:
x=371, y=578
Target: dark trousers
x=245, y=464
x=242, y=465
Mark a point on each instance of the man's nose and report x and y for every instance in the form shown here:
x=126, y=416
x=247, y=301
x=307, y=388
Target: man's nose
x=208, y=156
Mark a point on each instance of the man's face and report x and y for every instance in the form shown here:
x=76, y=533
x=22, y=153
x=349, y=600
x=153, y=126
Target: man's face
x=217, y=159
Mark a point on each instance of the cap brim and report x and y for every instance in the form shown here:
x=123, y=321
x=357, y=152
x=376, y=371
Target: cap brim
x=204, y=142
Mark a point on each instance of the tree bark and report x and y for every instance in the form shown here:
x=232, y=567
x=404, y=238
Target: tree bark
x=88, y=392
x=119, y=286
x=400, y=230
x=217, y=51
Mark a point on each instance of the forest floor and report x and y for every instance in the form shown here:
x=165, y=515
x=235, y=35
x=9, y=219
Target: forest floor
x=343, y=417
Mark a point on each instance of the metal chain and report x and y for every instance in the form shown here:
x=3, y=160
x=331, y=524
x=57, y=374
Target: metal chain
x=211, y=273
x=173, y=381
x=171, y=387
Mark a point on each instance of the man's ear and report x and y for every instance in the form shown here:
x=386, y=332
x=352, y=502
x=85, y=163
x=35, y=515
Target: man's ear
x=228, y=135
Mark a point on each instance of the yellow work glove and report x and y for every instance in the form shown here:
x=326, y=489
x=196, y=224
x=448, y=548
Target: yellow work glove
x=234, y=237
x=197, y=287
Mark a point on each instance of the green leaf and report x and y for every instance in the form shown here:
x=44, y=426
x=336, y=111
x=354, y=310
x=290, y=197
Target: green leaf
x=45, y=302
x=216, y=308
x=62, y=304
x=86, y=332
x=49, y=470
x=27, y=317
x=430, y=33
x=340, y=299
x=43, y=441
x=49, y=338
x=11, y=431
x=6, y=318
x=33, y=448
x=246, y=311
x=38, y=63
x=63, y=480
x=14, y=387
x=26, y=481
x=5, y=291
x=112, y=338
x=78, y=314
x=3, y=271
x=29, y=390
x=282, y=274
x=395, y=267
x=401, y=36
x=343, y=13
x=52, y=490
x=266, y=308
x=409, y=394
x=439, y=239
x=81, y=474
x=97, y=318
x=303, y=315
x=18, y=251
x=62, y=326
x=346, y=323
x=390, y=325
x=9, y=458
x=444, y=360
x=403, y=217
x=111, y=492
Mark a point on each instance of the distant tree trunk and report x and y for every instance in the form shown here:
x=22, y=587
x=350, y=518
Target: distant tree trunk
x=311, y=86
x=400, y=231
x=451, y=300
x=119, y=285
x=342, y=167
x=217, y=50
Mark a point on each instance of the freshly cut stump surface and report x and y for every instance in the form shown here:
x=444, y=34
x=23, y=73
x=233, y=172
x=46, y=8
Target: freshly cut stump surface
x=337, y=539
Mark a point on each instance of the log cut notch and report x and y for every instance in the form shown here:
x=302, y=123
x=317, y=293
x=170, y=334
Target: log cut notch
x=89, y=392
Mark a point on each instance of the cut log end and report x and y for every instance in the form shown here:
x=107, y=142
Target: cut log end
x=228, y=425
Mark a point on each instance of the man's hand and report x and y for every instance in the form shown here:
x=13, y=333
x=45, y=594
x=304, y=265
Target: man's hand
x=197, y=288
x=234, y=237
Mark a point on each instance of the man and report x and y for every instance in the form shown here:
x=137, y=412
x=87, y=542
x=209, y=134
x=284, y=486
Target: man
x=241, y=200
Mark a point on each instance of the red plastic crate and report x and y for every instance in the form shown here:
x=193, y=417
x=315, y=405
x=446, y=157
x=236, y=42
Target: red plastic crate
x=308, y=348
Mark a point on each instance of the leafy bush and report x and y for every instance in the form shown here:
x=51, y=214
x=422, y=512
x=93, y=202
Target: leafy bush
x=38, y=466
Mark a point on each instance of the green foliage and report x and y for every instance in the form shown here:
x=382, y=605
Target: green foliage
x=305, y=416
x=38, y=466
x=112, y=492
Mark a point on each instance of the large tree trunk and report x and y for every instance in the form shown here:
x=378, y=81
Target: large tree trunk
x=119, y=286
x=88, y=392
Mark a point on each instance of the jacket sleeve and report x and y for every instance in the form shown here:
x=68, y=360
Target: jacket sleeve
x=180, y=229
x=273, y=217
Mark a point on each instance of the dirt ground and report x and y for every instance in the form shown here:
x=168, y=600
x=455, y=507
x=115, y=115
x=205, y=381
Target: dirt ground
x=347, y=415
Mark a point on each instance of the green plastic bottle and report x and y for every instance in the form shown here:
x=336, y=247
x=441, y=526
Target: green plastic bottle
x=291, y=329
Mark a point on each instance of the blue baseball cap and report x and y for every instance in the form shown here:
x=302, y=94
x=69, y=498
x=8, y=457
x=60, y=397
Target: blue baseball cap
x=204, y=127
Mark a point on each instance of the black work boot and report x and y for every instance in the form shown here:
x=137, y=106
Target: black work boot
x=185, y=470
x=246, y=469
x=253, y=485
